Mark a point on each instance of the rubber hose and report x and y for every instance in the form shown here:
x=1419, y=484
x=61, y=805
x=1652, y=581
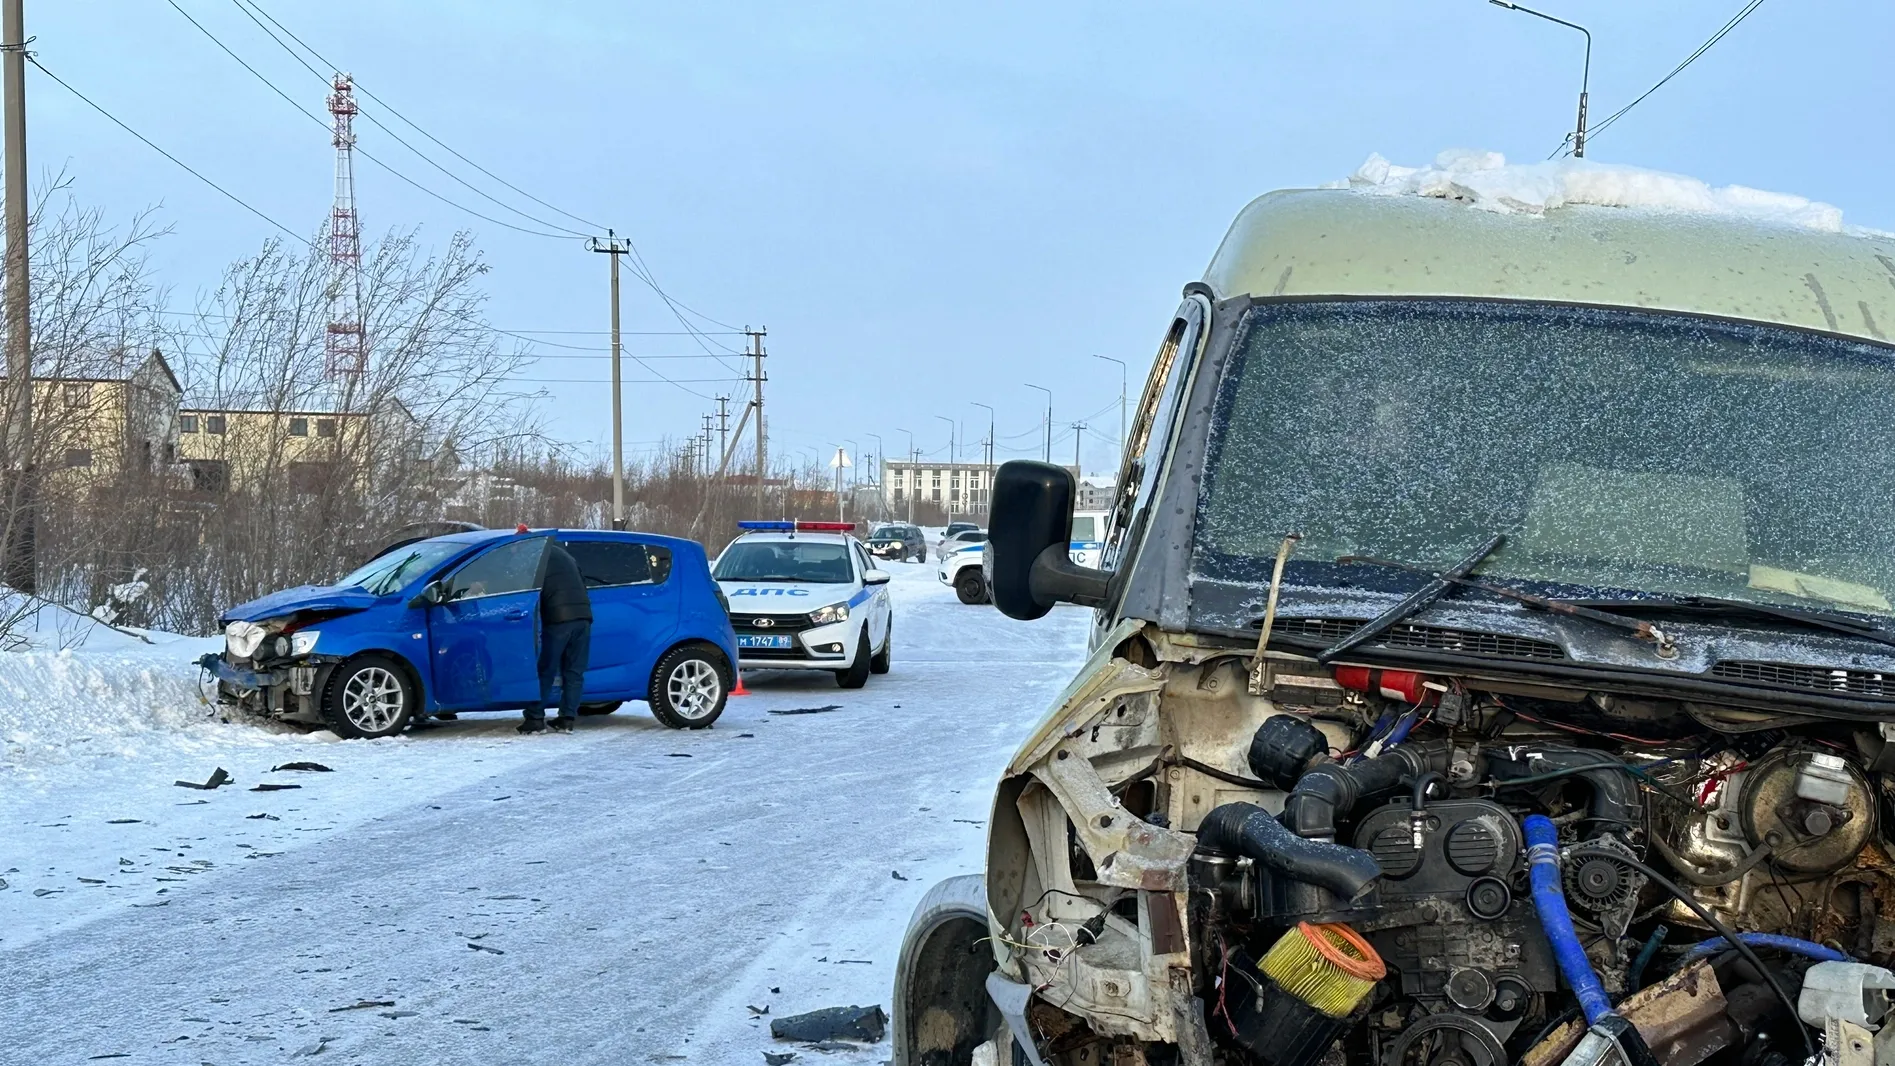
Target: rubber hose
x=1809, y=949
x=1247, y=829
x=1692, y=875
x=1549, y=901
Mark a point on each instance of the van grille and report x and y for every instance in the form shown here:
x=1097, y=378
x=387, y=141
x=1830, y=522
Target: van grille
x=1428, y=638
x=1812, y=678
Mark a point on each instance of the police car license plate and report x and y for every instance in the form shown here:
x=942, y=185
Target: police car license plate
x=771, y=641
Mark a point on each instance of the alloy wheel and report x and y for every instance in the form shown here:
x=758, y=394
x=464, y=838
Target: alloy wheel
x=694, y=688
x=372, y=699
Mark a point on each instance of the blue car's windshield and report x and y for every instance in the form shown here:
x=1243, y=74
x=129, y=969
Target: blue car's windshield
x=386, y=573
x=817, y=562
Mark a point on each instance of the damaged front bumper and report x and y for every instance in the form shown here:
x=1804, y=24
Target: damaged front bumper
x=286, y=690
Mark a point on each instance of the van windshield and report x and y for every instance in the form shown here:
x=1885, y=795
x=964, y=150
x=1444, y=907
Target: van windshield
x=1617, y=449
x=386, y=573
x=815, y=562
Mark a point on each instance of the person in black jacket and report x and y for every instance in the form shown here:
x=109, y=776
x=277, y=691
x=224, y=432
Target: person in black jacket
x=565, y=640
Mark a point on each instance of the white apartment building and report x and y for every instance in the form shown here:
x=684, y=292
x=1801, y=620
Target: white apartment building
x=958, y=487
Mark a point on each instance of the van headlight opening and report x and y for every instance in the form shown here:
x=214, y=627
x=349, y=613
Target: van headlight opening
x=835, y=612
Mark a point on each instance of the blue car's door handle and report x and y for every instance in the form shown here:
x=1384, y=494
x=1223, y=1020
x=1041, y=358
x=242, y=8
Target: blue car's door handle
x=514, y=613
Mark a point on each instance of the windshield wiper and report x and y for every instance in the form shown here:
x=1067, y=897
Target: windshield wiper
x=1457, y=575
x=1414, y=602
x=1718, y=606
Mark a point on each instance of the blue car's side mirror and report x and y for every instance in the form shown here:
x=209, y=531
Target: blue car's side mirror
x=430, y=595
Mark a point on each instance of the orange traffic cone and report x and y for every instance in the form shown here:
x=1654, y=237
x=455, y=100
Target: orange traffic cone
x=739, y=689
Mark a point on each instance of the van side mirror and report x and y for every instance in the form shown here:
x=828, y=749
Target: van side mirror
x=1030, y=531
x=430, y=595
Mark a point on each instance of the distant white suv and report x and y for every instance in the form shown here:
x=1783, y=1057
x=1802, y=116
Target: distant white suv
x=805, y=596
x=961, y=565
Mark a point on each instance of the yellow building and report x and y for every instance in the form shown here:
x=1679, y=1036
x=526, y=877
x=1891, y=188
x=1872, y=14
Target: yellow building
x=239, y=449
x=117, y=417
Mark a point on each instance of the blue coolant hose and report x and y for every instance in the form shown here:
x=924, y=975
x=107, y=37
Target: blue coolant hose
x=1550, y=902
x=1806, y=948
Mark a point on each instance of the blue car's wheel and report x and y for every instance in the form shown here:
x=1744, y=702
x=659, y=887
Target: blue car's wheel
x=367, y=697
x=689, y=687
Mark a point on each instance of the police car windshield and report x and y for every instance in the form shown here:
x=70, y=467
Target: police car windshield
x=813, y=562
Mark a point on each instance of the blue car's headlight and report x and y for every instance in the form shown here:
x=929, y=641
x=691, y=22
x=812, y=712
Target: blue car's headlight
x=303, y=641
x=835, y=612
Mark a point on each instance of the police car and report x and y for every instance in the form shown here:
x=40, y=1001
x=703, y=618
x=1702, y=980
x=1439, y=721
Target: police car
x=805, y=596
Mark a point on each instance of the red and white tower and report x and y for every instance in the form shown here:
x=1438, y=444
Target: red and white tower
x=346, y=347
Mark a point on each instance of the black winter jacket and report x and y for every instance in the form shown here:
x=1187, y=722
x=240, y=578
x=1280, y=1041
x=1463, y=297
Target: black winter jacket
x=563, y=595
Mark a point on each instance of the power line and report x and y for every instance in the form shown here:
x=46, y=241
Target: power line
x=186, y=167
x=569, y=234
x=404, y=118
x=1742, y=14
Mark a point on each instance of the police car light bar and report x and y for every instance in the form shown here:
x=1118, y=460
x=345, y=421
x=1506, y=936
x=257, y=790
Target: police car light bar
x=793, y=527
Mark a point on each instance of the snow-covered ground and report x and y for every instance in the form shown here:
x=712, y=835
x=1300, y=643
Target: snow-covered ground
x=626, y=894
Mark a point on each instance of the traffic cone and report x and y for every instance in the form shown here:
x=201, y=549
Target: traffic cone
x=739, y=689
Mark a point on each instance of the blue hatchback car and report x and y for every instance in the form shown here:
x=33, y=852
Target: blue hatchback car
x=451, y=624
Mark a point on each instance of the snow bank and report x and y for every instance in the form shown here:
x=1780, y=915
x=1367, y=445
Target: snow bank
x=56, y=706
x=1485, y=180
x=28, y=623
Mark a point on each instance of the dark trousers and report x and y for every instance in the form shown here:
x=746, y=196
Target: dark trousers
x=564, y=649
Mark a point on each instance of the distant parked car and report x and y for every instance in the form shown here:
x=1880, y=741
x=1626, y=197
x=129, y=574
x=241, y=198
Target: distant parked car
x=958, y=527
x=451, y=624
x=898, y=540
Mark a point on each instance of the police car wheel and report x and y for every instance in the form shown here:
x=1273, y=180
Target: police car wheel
x=857, y=674
x=878, y=663
x=689, y=687
x=970, y=585
x=368, y=697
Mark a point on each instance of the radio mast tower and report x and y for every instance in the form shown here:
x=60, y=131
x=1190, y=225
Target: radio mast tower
x=346, y=347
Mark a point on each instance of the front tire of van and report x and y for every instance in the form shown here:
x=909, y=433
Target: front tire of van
x=369, y=697
x=942, y=1010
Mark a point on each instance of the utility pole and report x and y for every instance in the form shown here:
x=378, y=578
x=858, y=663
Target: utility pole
x=914, y=474
x=1585, y=72
x=723, y=425
x=1079, y=432
x=20, y=567
x=1048, y=456
x=756, y=377
x=614, y=247
x=708, y=434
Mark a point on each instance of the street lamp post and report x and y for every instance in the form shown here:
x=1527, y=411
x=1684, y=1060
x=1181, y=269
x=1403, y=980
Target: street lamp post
x=1048, y=456
x=989, y=457
x=1122, y=382
x=1585, y=75
x=953, y=457
x=914, y=473
x=881, y=470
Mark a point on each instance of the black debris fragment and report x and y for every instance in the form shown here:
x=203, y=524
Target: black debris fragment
x=270, y=817
x=752, y=736
x=779, y=1058
x=123, y=821
x=397, y=1013
x=218, y=779
x=677, y=755
x=759, y=1011
x=3, y=883
x=483, y=947
x=46, y=891
x=126, y=862
x=312, y=767
x=824, y=709
x=831, y=1045
x=110, y=1055
x=896, y=874
x=90, y=881
x=269, y=786
x=775, y=991
x=363, y=1005
x=865, y=1024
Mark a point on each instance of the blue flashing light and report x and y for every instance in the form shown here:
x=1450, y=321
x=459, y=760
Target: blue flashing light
x=777, y=527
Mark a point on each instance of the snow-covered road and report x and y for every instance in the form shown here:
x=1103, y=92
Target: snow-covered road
x=627, y=894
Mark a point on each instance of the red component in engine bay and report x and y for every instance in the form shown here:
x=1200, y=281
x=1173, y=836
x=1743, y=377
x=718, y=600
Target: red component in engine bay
x=1404, y=685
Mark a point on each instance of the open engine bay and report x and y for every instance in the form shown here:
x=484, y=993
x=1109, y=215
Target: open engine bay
x=1213, y=859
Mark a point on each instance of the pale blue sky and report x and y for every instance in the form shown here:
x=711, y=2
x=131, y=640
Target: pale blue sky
x=926, y=204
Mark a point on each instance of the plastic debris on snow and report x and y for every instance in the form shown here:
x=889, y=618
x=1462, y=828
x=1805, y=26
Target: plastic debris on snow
x=866, y=1024
x=1486, y=181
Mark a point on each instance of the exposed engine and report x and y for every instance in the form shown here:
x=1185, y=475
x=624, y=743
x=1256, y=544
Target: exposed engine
x=1398, y=870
